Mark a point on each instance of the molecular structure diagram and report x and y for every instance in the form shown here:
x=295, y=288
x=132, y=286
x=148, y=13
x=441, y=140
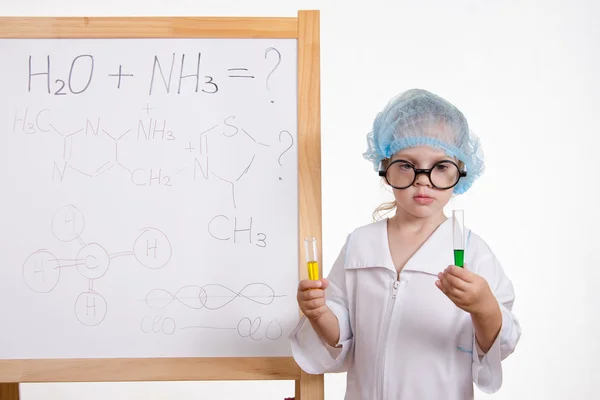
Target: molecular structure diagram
x=42, y=270
x=106, y=152
x=40, y=123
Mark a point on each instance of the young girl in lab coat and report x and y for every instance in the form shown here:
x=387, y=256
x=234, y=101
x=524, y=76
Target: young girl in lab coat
x=394, y=312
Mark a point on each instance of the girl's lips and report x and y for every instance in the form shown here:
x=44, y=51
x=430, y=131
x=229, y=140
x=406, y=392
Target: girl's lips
x=423, y=200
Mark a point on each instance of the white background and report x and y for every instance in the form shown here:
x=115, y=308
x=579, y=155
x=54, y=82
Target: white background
x=525, y=74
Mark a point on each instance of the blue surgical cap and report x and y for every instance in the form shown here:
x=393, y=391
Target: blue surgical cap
x=418, y=117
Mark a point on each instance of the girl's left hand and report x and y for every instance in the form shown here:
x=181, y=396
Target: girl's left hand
x=467, y=290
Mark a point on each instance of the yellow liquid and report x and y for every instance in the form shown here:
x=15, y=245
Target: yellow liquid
x=313, y=270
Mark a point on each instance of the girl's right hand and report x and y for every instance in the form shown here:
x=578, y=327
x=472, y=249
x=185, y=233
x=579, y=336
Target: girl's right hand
x=311, y=298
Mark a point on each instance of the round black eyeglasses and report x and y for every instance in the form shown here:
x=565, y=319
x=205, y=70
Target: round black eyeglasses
x=401, y=174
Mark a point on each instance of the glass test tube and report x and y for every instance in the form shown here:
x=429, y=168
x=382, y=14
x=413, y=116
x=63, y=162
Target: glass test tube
x=310, y=245
x=458, y=231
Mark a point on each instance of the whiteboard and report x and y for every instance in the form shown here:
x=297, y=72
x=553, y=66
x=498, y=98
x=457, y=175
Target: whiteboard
x=149, y=202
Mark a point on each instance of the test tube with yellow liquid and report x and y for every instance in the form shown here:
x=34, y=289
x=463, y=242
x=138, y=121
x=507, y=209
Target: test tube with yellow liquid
x=312, y=261
x=458, y=231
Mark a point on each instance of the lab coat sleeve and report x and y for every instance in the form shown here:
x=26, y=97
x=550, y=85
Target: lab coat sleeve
x=311, y=352
x=487, y=368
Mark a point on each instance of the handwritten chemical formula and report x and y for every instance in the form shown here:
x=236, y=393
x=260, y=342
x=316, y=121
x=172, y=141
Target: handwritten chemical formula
x=168, y=74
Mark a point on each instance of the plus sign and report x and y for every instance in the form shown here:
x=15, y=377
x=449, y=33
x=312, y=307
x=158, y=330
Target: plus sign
x=147, y=109
x=190, y=148
x=120, y=75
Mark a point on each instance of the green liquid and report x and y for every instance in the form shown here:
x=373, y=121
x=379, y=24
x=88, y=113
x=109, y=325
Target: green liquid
x=459, y=256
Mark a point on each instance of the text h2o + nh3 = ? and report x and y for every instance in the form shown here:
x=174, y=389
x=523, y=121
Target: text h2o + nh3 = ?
x=84, y=64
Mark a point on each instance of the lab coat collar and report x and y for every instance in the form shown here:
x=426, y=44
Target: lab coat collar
x=368, y=247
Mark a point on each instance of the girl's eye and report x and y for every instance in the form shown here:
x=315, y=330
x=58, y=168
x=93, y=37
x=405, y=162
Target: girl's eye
x=404, y=166
x=441, y=167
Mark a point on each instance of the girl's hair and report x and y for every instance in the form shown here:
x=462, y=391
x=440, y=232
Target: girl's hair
x=384, y=208
x=387, y=207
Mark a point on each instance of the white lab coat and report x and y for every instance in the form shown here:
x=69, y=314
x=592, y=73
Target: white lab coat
x=401, y=338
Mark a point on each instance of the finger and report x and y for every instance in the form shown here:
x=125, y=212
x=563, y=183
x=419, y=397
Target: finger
x=444, y=280
x=312, y=294
x=439, y=285
x=461, y=273
x=315, y=303
x=442, y=284
x=309, y=284
x=317, y=312
x=456, y=282
x=312, y=304
x=448, y=289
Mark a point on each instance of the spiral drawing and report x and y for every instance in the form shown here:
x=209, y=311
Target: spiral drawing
x=211, y=296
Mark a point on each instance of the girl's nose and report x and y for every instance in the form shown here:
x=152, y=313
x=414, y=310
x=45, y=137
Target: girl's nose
x=422, y=180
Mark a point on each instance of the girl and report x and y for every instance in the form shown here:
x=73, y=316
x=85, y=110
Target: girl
x=394, y=312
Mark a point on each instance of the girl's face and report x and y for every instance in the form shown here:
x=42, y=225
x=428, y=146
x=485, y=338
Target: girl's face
x=422, y=199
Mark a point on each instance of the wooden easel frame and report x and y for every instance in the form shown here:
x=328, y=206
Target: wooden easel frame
x=306, y=29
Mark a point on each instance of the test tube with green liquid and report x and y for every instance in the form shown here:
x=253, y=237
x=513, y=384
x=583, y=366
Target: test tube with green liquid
x=310, y=245
x=458, y=230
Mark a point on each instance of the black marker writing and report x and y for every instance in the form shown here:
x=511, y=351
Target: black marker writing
x=147, y=178
x=212, y=296
x=61, y=83
x=232, y=126
x=150, y=131
x=247, y=328
x=120, y=74
x=239, y=76
x=157, y=64
x=91, y=73
x=158, y=324
x=181, y=76
x=209, y=85
x=47, y=73
x=28, y=127
x=227, y=230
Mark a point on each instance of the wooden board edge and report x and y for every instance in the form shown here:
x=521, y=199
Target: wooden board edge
x=142, y=369
x=309, y=387
x=9, y=391
x=309, y=134
x=148, y=27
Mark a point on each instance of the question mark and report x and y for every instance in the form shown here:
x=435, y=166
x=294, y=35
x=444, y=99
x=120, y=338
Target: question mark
x=274, y=68
x=290, y=146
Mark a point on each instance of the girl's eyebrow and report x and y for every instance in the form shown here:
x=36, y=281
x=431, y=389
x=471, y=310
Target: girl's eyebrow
x=434, y=159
